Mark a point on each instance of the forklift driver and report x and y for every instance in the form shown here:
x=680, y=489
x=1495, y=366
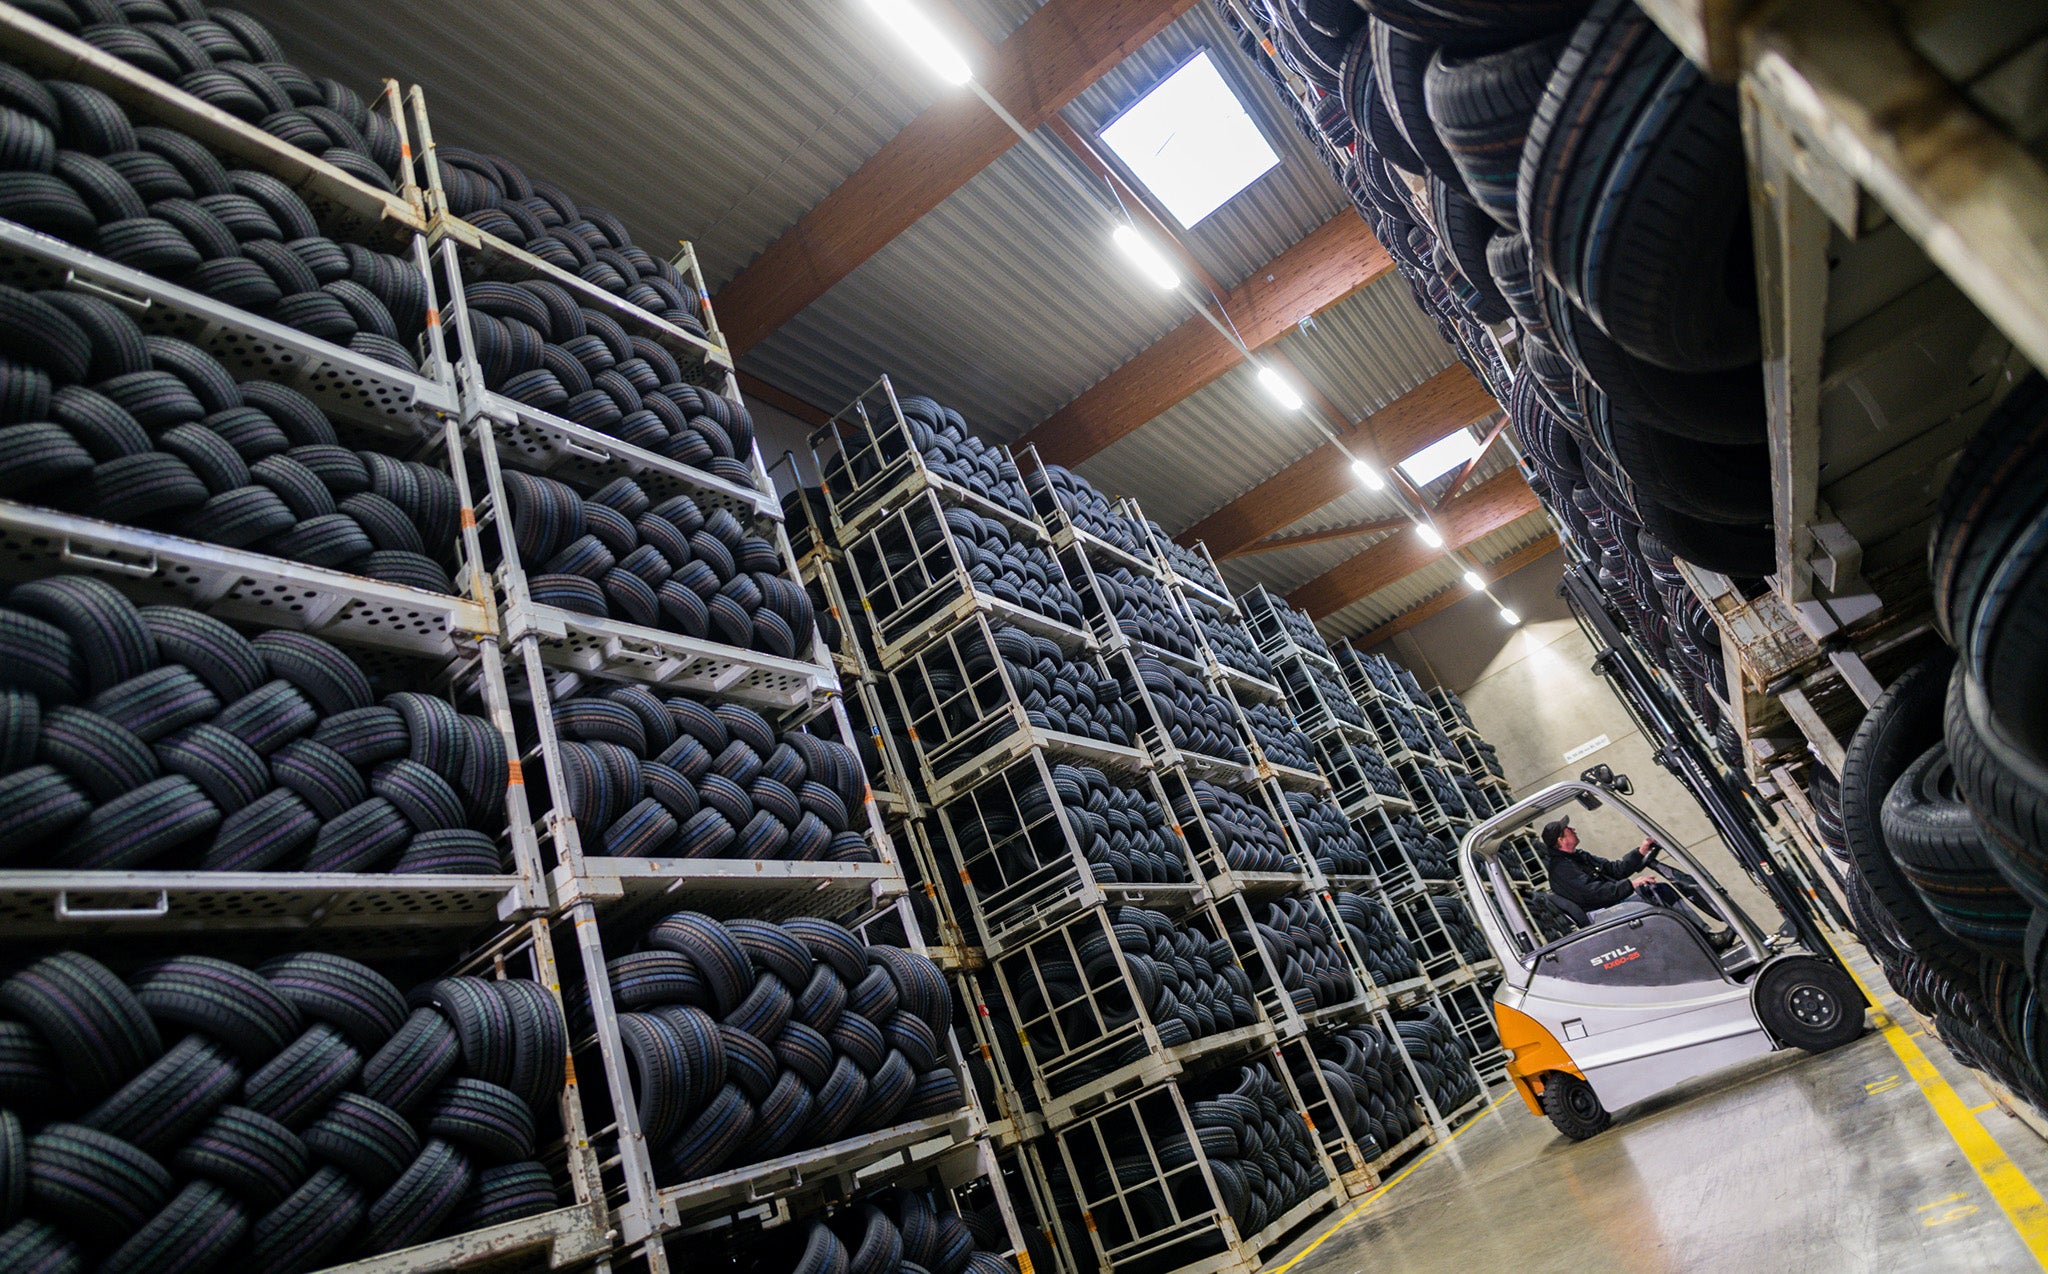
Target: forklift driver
x=1593, y=882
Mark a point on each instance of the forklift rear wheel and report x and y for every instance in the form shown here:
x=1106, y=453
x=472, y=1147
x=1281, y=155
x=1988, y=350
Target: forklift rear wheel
x=1574, y=1108
x=1810, y=1003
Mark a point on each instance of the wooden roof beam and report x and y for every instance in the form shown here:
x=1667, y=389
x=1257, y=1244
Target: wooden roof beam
x=1331, y=262
x=1323, y=536
x=1446, y=402
x=1481, y=511
x=1061, y=49
x=1456, y=593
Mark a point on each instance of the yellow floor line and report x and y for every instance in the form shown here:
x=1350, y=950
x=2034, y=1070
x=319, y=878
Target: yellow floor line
x=1399, y=1177
x=2009, y=1187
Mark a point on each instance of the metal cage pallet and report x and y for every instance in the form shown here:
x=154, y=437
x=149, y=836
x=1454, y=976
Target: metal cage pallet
x=1265, y=618
x=1146, y=1192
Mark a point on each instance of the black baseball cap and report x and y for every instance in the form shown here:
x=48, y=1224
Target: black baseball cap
x=1554, y=829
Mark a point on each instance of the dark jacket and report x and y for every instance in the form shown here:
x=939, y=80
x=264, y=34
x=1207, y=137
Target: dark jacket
x=1591, y=881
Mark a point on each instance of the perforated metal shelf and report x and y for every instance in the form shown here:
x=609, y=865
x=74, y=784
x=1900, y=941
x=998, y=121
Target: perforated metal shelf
x=732, y=887
x=234, y=583
x=38, y=905
x=606, y=647
x=345, y=384
x=545, y=443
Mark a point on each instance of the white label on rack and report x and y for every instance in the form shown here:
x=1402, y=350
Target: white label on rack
x=1588, y=748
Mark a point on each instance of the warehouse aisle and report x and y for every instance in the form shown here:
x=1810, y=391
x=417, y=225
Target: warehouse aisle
x=1790, y=1162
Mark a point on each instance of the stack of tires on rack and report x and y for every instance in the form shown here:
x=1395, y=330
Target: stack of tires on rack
x=1940, y=802
x=1478, y=141
x=771, y=1035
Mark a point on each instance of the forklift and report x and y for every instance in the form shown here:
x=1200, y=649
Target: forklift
x=1635, y=999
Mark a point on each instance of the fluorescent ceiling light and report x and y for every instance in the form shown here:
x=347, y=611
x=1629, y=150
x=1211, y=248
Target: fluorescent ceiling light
x=1368, y=475
x=1284, y=393
x=1508, y=616
x=1429, y=535
x=925, y=40
x=1191, y=142
x=1440, y=457
x=1148, y=258
x=1472, y=580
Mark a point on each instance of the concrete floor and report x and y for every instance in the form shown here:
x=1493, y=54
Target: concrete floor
x=1789, y=1163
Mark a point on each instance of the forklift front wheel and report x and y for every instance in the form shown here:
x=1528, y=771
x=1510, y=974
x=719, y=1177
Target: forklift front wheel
x=1809, y=1003
x=1574, y=1108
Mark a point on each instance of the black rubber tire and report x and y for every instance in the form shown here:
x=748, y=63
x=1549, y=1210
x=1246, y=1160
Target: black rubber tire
x=423, y=1197
x=1987, y=504
x=296, y=1085
x=490, y=1123
x=88, y=1182
x=220, y=1000
x=1904, y=722
x=1727, y=484
x=368, y=1140
x=1740, y=552
x=37, y=332
x=32, y=1246
x=353, y=998
x=2004, y=786
x=1400, y=67
x=1476, y=24
x=195, y=1232
x=412, y=1064
x=157, y=1110
x=98, y=1033
x=509, y=1192
x=482, y=1021
x=140, y=826
x=541, y=1042
x=1481, y=107
x=1674, y=282
x=326, y=676
x=310, y=1225
x=1465, y=231
x=1809, y=1003
x=118, y=347
x=252, y=1156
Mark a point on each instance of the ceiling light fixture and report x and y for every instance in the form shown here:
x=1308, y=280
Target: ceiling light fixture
x=1472, y=581
x=1148, y=258
x=1283, y=393
x=925, y=39
x=1508, y=615
x=1368, y=475
x=1429, y=535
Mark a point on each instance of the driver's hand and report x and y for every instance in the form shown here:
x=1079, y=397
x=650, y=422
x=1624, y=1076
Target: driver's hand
x=1642, y=878
x=1649, y=847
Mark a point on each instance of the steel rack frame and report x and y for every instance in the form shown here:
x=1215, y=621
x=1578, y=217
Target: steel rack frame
x=1067, y=532
x=913, y=586
x=1445, y=1121
x=1290, y=1019
x=1000, y=1067
x=1115, y=1162
x=1347, y=759
x=1263, y=617
x=975, y=722
x=1435, y=952
x=338, y=200
x=1019, y=851
x=1206, y=845
x=878, y=465
x=1357, y=1173
x=1216, y=594
x=1100, y=1043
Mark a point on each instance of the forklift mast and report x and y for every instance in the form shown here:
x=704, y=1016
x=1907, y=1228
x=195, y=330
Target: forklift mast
x=1681, y=751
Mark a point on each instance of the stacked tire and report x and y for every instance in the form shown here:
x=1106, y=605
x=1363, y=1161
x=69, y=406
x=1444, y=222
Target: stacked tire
x=1377, y=937
x=1311, y=965
x=537, y=344
x=1142, y=609
x=1465, y=935
x=203, y=1115
x=1258, y=1147
x=1189, y=986
x=1249, y=837
x=747, y=1040
x=1195, y=717
x=1121, y=831
x=1280, y=740
x=156, y=200
x=618, y=554
x=1368, y=1085
x=153, y=431
x=1227, y=640
x=648, y=777
x=900, y=1229
x=939, y=435
x=162, y=738
x=1441, y=1058
x=1068, y=695
x=1090, y=509
x=1310, y=687
x=495, y=195
x=1328, y=836
x=1022, y=573
x=1403, y=836
x=1187, y=563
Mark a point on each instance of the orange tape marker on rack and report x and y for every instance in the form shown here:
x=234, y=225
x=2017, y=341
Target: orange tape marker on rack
x=514, y=776
x=468, y=519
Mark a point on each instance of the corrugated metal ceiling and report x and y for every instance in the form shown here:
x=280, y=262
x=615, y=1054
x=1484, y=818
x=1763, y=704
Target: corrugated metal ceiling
x=1216, y=444
x=1368, y=613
